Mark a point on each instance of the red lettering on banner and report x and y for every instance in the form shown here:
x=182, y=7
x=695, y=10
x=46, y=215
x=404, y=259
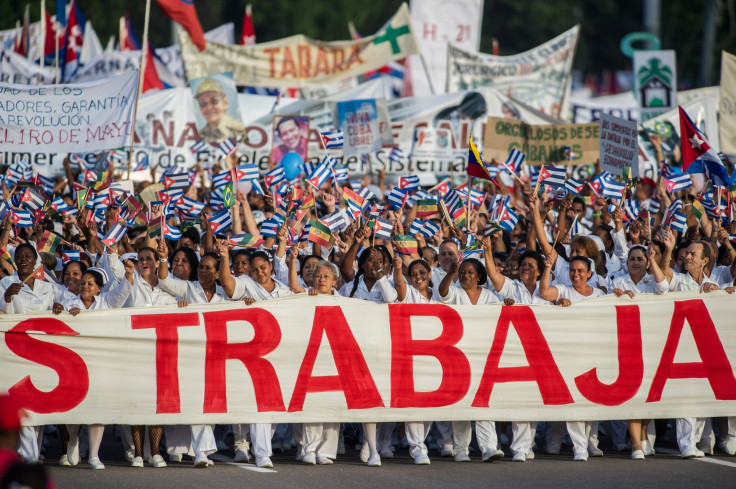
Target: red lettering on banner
x=455, y=366
x=271, y=52
x=714, y=366
x=73, y=376
x=355, y=57
x=287, y=64
x=338, y=60
x=320, y=64
x=353, y=377
x=542, y=368
x=305, y=60
x=167, y=354
x=630, y=363
x=266, y=337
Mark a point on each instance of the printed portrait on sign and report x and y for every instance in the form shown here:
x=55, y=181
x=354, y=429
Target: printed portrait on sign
x=290, y=134
x=218, y=115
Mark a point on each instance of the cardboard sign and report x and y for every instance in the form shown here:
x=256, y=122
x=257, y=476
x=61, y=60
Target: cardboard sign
x=619, y=146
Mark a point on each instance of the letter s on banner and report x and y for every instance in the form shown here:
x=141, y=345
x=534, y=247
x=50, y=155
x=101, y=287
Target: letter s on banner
x=71, y=369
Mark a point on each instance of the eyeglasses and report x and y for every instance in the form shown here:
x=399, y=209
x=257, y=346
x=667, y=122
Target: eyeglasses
x=512, y=268
x=203, y=102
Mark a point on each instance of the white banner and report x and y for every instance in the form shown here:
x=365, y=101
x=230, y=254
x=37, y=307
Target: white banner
x=619, y=146
x=16, y=69
x=727, y=122
x=538, y=77
x=437, y=22
x=66, y=118
x=316, y=359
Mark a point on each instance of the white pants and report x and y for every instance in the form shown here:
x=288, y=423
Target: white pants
x=178, y=439
x=579, y=432
x=260, y=438
x=203, y=439
x=30, y=443
x=522, y=434
x=485, y=432
x=689, y=431
x=320, y=438
x=241, y=433
x=416, y=433
x=126, y=438
x=444, y=440
x=383, y=438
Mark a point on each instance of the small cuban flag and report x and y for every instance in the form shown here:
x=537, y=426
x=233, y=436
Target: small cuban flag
x=199, y=147
x=395, y=155
x=114, y=235
x=553, y=176
x=409, y=183
x=220, y=222
x=514, y=161
x=228, y=146
x=332, y=139
x=70, y=255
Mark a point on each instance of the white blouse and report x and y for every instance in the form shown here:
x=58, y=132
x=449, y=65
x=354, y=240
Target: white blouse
x=516, y=290
x=458, y=296
x=413, y=296
x=28, y=301
x=246, y=286
x=112, y=299
x=569, y=293
x=646, y=285
x=382, y=291
x=191, y=292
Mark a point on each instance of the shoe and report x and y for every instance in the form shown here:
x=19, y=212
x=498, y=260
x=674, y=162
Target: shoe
x=341, y=446
x=324, y=461
x=580, y=455
x=699, y=453
x=175, y=457
x=310, y=458
x=201, y=460
x=210, y=462
x=365, y=453
x=519, y=457
x=158, y=461
x=72, y=453
x=241, y=456
x=491, y=455
x=129, y=455
x=374, y=461
x=64, y=461
x=300, y=455
x=95, y=463
x=705, y=448
x=264, y=462
x=622, y=447
x=729, y=446
x=594, y=451
x=689, y=452
x=446, y=452
x=530, y=454
x=637, y=455
x=386, y=453
x=461, y=457
x=422, y=460
x=553, y=448
x=647, y=448
x=136, y=462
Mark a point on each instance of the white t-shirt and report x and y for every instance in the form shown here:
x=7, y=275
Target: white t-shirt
x=646, y=285
x=458, y=296
x=382, y=291
x=569, y=293
x=245, y=286
x=112, y=299
x=684, y=281
x=516, y=290
x=413, y=296
x=27, y=301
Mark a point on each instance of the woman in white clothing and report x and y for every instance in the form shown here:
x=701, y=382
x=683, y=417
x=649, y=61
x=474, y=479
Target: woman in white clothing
x=91, y=298
x=472, y=279
x=317, y=442
x=522, y=291
x=580, y=271
x=259, y=285
x=419, y=291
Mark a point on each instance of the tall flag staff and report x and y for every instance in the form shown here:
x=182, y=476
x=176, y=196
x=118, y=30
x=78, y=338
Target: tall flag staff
x=141, y=70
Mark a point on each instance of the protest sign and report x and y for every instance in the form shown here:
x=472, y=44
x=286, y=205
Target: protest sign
x=541, y=143
x=538, y=77
x=619, y=146
x=218, y=117
x=65, y=118
x=358, y=120
x=655, y=82
x=328, y=358
x=16, y=69
x=299, y=61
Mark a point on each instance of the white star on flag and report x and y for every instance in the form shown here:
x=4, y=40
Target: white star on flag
x=696, y=141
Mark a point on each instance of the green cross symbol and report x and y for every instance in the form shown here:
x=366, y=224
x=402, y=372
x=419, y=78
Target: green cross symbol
x=391, y=35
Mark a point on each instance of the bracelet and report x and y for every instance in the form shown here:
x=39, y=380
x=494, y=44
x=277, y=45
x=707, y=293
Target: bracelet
x=163, y=260
x=597, y=214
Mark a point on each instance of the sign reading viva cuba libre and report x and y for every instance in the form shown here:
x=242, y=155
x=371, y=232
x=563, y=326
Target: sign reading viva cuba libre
x=299, y=61
x=315, y=359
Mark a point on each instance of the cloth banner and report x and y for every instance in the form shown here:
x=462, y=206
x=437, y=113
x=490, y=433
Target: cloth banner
x=619, y=145
x=727, y=122
x=567, y=144
x=65, y=118
x=299, y=61
x=359, y=122
x=538, y=77
x=16, y=69
x=317, y=359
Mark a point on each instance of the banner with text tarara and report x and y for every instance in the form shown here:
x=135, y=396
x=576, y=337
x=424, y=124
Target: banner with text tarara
x=64, y=118
x=299, y=61
x=565, y=144
x=539, y=77
x=315, y=359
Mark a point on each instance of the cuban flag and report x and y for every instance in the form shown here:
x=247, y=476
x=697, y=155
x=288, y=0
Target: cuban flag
x=353, y=210
x=397, y=197
x=170, y=232
x=653, y=205
x=514, y=161
x=246, y=172
x=336, y=221
x=22, y=218
x=429, y=229
x=60, y=205
x=395, y=155
x=678, y=221
x=382, y=228
x=574, y=186
x=507, y=219
x=308, y=168
x=114, y=235
x=697, y=154
x=631, y=209
x=270, y=228
x=679, y=182
x=477, y=197
x=143, y=164
x=199, y=147
x=553, y=176
x=329, y=161
x=319, y=176
x=409, y=183
x=332, y=139
x=32, y=201
x=612, y=189
x=221, y=179
x=190, y=206
x=340, y=175
x=274, y=176
x=220, y=222
x=46, y=184
x=228, y=146
x=576, y=228
x=70, y=255
x=367, y=195
x=451, y=199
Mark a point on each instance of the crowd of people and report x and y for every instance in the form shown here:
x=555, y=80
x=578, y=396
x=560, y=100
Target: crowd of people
x=564, y=247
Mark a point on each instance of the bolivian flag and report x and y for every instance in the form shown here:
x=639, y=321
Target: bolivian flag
x=5, y=255
x=319, y=233
x=406, y=245
x=49, y=242
x=426, y=208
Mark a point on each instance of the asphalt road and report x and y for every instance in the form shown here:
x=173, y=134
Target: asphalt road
x=614, y=469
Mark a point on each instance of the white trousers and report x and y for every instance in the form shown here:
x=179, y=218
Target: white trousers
x=260, y=438
x=416, y=433
x=203, y=439
x=689, y=431
x=30, y=442
x=383, y=439
x=241, y=434
x=579, y=432
x=320, y=438
x=485, y=432
x=522, y=436
x=444, y=440
x=178, y=439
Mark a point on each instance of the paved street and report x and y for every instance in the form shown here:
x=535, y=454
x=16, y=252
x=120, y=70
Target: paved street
x=664, y=470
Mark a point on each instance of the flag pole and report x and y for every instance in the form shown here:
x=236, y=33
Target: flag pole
x=141, y=70
x=42, y=44
x=56, y=53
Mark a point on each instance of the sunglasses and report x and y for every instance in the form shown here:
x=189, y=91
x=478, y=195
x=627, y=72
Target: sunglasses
x=203, y=102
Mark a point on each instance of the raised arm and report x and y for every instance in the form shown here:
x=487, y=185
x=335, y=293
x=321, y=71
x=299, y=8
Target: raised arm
x=545, y=289
x=399, y=281
x=163, y=258
x=656, y=271
x=447, y=281
x=227, y=281
x=496, y=278
x=293, y=275
x=346, y=265
x=669, y=245
x=546, y=248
